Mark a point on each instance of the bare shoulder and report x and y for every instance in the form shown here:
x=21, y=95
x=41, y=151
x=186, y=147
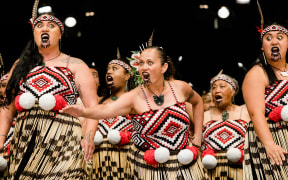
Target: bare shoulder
x=207, y=116
x=245, y=115
x=256, y=72
x=180, y=85
x=75, y=64
x=256, y=76
x=72, y=60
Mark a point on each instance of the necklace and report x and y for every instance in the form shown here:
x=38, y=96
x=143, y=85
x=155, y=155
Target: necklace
x=282, y=73
x=114, y=98
x=159, y=100
x=225, y=115
x=52, y=58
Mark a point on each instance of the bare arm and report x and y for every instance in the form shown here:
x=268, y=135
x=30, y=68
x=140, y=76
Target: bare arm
x=87, y=90
x=122, y=106
x=6, y=116
x=253, y=89
x=198, y=114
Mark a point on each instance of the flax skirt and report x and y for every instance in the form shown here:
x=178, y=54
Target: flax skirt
x=4, y=173
x=171, y=170
x=110, y=161
x=46, y=145
x=5, y=154
x=256, y=162
x=225, y=169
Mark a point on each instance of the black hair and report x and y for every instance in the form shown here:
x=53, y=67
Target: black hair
x=29, y=58
x=262, y=59
x=170, y=73
x=130, y=84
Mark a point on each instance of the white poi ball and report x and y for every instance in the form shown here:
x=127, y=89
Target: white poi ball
x=114, y=137
x=284, y=113
x=233, y=154
x=98, y=138
x=47, y=102
x=27, y=100
x=209, y=161
x=185, y=156
x=3, y=164
x=162, y=155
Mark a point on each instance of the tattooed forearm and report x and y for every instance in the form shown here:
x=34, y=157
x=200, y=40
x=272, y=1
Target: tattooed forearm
x=88, y=136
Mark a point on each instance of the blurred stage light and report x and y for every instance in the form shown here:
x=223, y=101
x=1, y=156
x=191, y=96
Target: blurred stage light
x=242, y=1
x=180, y=58
x=223, y=12
x=44, y=9
x=203, y=6
x=70, y=22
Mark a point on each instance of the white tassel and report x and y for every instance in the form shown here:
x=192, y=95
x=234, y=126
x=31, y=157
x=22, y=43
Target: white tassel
x=185, y=156
x=162, y=155
x=284, y=113
x=27, y=100
x=114, y=137
x=98, y=138
x=3, y=164
x=209, y=161
x=233, y=154
x=47, y=102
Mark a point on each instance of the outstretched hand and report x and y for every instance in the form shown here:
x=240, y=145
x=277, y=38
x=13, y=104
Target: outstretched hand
x=74, y=110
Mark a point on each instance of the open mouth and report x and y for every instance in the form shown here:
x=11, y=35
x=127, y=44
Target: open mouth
x=218, y=98
x=110, y=81
x=275, y=53
x=146, y=77
x=45, y=42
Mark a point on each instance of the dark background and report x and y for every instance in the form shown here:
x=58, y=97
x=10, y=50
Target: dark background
x=182, y=28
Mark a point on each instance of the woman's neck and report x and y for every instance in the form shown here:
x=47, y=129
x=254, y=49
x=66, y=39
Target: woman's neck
x=49, y=53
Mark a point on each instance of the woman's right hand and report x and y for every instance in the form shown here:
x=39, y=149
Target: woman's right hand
x=74, y=110
x=275, y=153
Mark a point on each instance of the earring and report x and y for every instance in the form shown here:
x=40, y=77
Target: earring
x=264, y=57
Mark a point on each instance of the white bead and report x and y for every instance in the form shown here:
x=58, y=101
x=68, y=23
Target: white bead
x=209, y=161
x=27, y=100
x=3, y=164
x=98, y=138
x=114, y=137
x=47, y=102
x=185, y=156
x=284, y=113
x=162, y=155
x=233, y=154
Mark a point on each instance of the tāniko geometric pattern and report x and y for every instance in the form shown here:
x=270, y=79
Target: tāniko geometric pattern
x=55, y=80
x=221, y=135
x=276, y=95
x=167, y=127
x=120, y=123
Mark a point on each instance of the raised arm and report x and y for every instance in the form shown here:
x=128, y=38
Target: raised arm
x=122, y=106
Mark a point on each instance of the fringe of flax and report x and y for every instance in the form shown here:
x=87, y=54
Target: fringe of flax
x=256, y=161
x=57, y=152
x=170, y=170
x=225, y=169
x=110, y=161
